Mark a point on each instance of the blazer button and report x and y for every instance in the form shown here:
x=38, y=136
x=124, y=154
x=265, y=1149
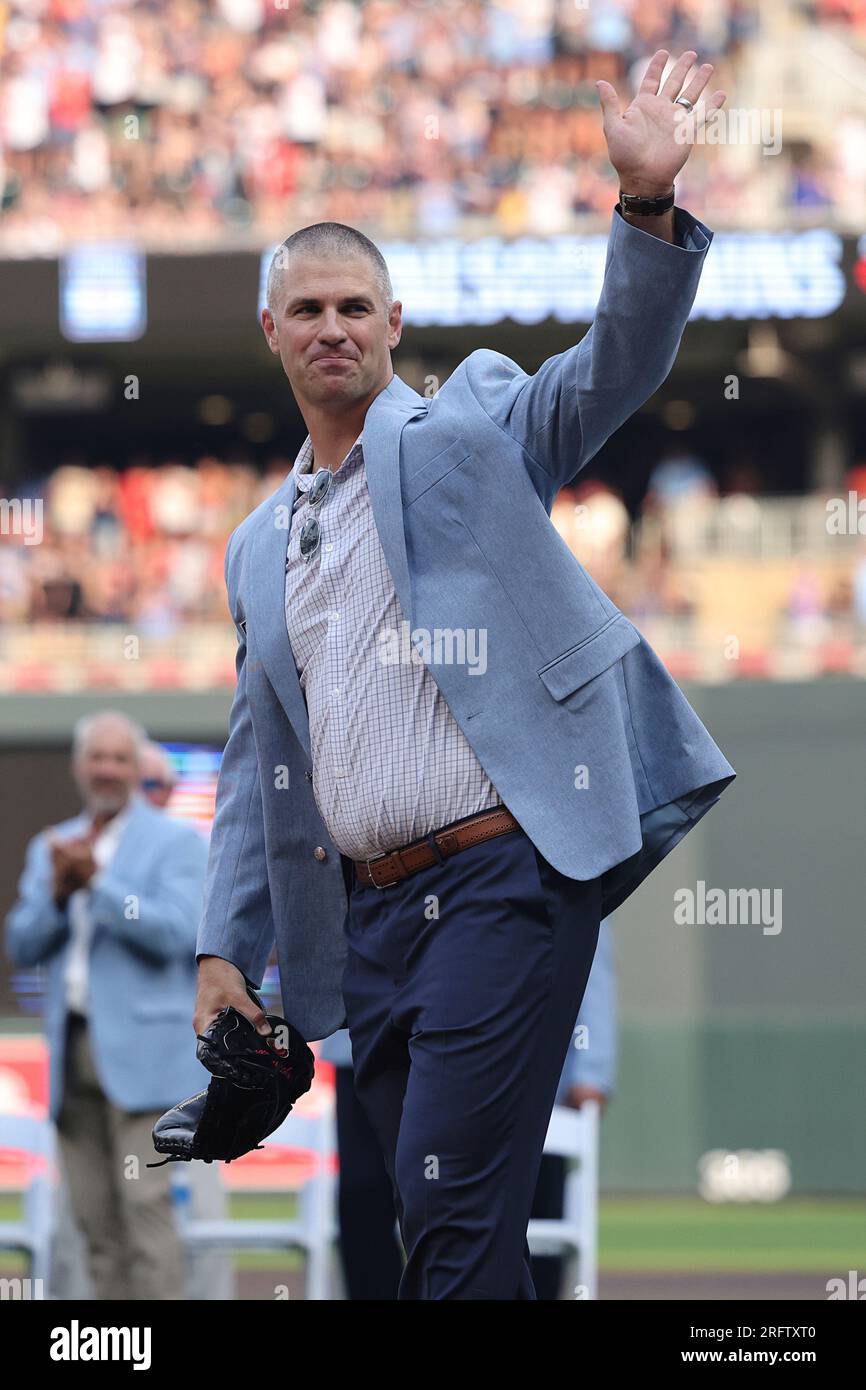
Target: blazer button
x=320, y=853
x=309, y=776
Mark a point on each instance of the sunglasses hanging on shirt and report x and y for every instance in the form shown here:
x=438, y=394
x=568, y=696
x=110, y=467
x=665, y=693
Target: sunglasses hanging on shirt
x=311, y=532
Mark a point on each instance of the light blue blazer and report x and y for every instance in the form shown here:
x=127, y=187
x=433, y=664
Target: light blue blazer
x=591, y=1064
x=142, y=973
x=576, y=721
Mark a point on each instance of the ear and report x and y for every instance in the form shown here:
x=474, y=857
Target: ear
x=269, y=328
x=395, y=323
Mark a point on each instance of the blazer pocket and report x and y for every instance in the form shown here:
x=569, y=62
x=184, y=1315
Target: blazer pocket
x=590, y=657
x=435, y=469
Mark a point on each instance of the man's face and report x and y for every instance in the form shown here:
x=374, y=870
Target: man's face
x=107, y=768
x=330, y=329
x=157, y=783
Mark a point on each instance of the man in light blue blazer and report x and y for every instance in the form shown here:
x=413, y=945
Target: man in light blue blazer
x=108, y=904
x=449, y=754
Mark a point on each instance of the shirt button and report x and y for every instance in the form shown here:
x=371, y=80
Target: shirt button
x=320, y=853
x=330, y=545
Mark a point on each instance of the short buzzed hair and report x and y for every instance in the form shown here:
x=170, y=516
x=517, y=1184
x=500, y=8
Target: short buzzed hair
x=329, y=239
x=85, y=726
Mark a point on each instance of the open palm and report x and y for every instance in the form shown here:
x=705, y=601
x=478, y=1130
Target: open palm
x=641, y=140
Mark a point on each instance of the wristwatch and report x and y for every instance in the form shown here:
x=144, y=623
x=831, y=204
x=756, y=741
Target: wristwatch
x=645, y=207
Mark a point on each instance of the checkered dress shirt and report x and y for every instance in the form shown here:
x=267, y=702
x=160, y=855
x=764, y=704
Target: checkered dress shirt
x=390, y=762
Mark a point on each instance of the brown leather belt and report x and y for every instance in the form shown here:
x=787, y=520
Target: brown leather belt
x=385, y=869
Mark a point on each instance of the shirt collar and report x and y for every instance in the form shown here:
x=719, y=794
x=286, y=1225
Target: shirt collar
x=304, y=462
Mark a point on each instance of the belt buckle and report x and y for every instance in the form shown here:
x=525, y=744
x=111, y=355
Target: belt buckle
x=383, y=854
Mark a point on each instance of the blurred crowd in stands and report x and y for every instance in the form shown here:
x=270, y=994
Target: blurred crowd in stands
x=200, y=122
x=145, y=546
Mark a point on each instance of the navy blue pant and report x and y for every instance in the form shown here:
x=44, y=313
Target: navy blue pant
x=370, y=1251
x=462, y=985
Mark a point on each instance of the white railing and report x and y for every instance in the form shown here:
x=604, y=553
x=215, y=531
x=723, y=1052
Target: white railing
x=759, y=528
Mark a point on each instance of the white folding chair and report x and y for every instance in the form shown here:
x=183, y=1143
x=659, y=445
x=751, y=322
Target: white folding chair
x=573, y=1134
x=313, y=1230
x=33, y=1138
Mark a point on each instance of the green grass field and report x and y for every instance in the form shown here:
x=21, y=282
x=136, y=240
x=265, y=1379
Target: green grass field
x=645, y=1234
x=801, y=1235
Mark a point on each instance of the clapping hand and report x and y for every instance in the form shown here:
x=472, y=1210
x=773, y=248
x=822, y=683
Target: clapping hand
x=73, y=865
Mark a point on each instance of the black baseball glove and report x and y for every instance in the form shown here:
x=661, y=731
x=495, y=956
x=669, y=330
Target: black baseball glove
x=256, y=1081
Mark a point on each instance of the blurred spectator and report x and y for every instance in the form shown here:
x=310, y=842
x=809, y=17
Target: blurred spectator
x=142, y=549
x=108, y=903
x=209, y=1274
x=599, y=522
x=158, y=777
x=680, y=477
x=680, y=492
x=204, y=121
x=806, y=609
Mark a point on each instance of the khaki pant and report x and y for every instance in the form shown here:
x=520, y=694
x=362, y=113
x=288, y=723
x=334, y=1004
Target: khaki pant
x=123, y=1208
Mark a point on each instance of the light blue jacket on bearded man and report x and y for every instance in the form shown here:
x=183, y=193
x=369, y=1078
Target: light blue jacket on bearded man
x=144, y=905
x=588, y=740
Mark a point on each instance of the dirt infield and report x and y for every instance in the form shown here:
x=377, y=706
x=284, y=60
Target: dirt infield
x=667, y=1287
x=714, y=1288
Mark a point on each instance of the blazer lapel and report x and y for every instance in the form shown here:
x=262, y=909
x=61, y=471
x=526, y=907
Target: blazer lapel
x=390, y=411
x=128, y=846
x=266, y=605
x=266, y=608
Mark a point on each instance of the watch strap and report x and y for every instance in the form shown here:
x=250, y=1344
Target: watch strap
x=646, y=207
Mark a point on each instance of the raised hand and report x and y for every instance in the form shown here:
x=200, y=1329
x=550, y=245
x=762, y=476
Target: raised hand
x=641, y=140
